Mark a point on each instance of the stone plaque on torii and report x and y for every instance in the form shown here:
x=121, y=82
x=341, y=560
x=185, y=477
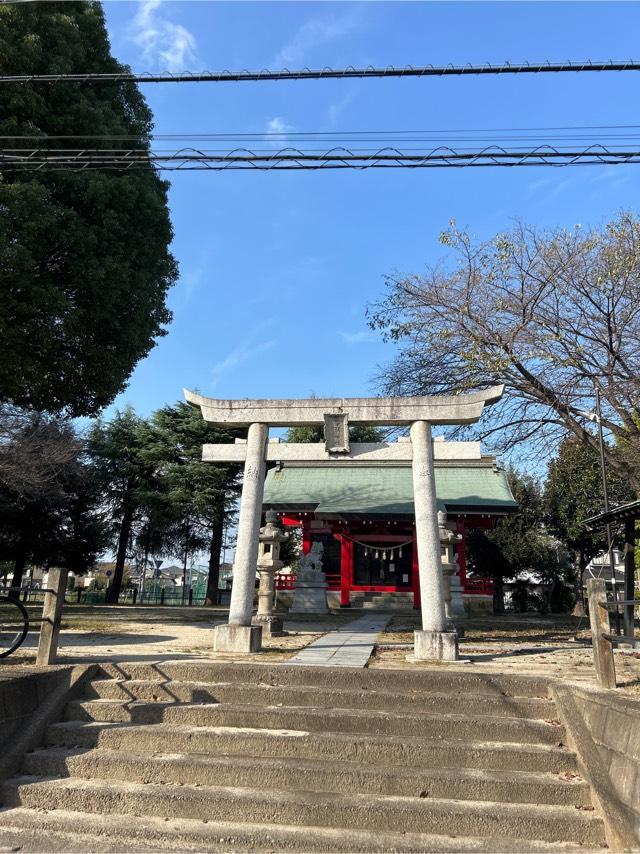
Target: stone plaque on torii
x=435, y=640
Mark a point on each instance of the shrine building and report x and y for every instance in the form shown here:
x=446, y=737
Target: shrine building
x=363, y=514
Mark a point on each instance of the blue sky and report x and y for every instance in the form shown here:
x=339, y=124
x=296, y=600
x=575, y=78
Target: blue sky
x=276, y=269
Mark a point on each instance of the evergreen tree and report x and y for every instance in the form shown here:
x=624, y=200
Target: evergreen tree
x=573, y=493
x=127, y=478
x=202, y=495
x=357, y=433
x=84, y=259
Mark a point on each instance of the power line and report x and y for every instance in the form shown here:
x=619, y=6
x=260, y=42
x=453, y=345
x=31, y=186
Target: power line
x=327, y=73
x=12, y=160
x=381, y=137
x=331, y=133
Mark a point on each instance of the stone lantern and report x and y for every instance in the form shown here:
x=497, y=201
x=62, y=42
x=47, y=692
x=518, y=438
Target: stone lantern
x=453, y=602
x=268, y=564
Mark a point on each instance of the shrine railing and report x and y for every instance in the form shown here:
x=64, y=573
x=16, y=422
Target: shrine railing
x=475, y=586
x=286, y=581
x=478, y=586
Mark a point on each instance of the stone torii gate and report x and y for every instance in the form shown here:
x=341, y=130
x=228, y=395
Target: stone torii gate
x=435, y=641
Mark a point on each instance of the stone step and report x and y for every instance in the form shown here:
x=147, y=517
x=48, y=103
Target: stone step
x=461, y=727
x=308, y=775
x=432, y=679
x=352, y=812
x=305, y=695
x=38, y=832
x=334, y=746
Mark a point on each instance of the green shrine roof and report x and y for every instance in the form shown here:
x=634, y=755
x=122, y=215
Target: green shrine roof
x=384, y=490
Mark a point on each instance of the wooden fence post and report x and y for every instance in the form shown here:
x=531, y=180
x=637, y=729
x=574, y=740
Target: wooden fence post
x=599, y=619
x=51, y=616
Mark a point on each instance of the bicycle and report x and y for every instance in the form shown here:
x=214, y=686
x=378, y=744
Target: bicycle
x=14, y=625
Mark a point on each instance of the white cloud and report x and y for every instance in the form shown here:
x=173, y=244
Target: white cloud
x=162, y=41
x=338, y=107
x=278, y=126
x=316, y=32
x=245, y=351
x=366, y=336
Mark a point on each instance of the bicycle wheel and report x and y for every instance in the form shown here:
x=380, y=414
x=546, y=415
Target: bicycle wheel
x=14, y=625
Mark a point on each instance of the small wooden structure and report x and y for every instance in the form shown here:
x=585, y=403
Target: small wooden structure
x=627, y=514
x=599, y=609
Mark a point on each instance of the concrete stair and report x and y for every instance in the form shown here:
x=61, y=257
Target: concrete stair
x=231, y=757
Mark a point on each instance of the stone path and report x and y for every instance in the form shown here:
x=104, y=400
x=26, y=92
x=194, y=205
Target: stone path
x=349, y=646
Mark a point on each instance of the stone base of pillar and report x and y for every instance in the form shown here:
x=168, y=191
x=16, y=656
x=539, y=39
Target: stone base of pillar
x=435, y=646
x=272, y=627
x=457, y=610
x=310, y=596
x=231, y=638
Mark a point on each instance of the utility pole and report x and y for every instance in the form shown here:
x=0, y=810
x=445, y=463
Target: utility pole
x=605, y=492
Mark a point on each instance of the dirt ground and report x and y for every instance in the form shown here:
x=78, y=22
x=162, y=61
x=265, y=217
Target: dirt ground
x=125, y=633
x=558, y=646
x=554, y=646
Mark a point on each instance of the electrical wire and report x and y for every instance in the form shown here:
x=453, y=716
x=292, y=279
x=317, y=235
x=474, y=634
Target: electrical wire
x=591, y=135
x=293, y=159
x=328, y=73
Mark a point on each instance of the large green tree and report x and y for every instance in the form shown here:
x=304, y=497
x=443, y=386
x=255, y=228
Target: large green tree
x=520, y=544
x=84, y=260
x=129, y=481
x=202, y=495
x=573, y=492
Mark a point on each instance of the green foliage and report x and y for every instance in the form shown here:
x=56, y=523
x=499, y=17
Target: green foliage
x=201, y=495
x=573, y=493
x=519, y=544
x=84, y=259
x=163, y=499
x=127, y=478
x=357, y=433
x=173, y=441
x=521, y=598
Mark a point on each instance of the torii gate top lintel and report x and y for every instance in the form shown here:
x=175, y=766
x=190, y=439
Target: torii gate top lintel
x=387, y=411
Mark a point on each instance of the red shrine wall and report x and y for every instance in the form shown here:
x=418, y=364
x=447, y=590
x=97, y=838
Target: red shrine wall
x=365, y=556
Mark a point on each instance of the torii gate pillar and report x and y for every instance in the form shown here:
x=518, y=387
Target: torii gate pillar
x=435, y=640
x=239, y=635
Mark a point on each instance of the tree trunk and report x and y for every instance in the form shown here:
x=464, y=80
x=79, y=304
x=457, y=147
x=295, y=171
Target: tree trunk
x=215, y=550
x=498, y=595
x=577, y=587
x=113, y=593
x=184, y=565
x=18, y=566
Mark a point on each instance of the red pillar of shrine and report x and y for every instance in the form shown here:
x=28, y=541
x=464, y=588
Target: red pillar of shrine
x=346, y=571
x=306, y=536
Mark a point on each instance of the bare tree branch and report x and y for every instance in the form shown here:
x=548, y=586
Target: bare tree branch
x=554, y=315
